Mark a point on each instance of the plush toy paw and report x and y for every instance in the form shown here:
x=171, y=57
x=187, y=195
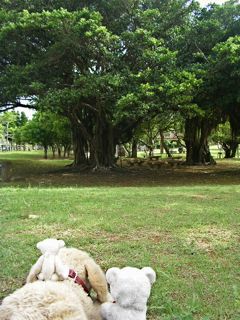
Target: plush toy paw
x=106, y=310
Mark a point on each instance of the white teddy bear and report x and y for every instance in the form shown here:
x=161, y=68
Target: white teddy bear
x=49, y=266
x=130, y=289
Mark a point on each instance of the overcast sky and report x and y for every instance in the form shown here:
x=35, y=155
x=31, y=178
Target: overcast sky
x=205, y=2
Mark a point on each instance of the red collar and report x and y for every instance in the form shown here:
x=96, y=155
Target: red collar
x=72, y=274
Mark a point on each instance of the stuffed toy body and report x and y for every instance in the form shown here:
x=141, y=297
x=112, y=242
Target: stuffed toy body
x=130, y=289
x=55, y=300
x=49, y=266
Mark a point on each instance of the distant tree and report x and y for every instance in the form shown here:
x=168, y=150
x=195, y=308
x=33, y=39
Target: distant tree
x=62, y=134
x=223, y=81
x=206, y=33
x=22, y=119
x=39, y=131
x=224, y=137
x=113, y=71
x=8, y=122
x=65, y=65
x=151, y=133
x=48, y=130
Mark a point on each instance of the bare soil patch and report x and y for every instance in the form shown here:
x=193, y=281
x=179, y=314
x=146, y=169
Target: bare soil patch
x=40, y=173
x=208, y=237
x=223, y=173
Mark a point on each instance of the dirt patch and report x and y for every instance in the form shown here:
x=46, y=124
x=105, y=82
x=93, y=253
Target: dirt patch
x=138, y=235
x=55, y=231
x=199, y=197
x=208, y=238
x=225, y=172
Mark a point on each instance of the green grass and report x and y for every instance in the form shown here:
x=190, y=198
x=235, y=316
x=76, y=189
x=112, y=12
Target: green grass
x=24, y=155
x=26, y=163
x=189, y=235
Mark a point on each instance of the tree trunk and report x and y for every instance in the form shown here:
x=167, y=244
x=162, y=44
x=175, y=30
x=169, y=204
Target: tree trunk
x=45, y=148
x=234, y=149
x=161, y=143
x=235, y=130
x=59, y=149
x=227, y=150
x=134, y=148
x=66, y=150
x=53, y=151
x=92, y=139
x=164, y=145
x=69, y=148
x=78, y=147
x=150, y=151
x=102, y=146
x=196, y=135
x=230, y=149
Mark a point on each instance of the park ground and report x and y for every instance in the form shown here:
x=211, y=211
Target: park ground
x=182, y=221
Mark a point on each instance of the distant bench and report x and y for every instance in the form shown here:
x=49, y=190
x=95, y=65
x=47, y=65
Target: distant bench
x=133, y=161
x=155, y=157
x=172, y=162
x=153, y=161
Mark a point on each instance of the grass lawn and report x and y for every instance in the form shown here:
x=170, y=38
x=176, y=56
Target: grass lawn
x=188, y=233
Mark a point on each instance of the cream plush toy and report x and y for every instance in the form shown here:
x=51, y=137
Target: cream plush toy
x=55, y=300
x=130, y=289
x=49, y=266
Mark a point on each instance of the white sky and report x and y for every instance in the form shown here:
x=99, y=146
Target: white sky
x=205, y=2
x=29, y=112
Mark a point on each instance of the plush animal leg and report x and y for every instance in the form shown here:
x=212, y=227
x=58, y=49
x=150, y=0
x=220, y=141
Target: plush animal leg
x=35, y=270
x=61, y=269
x=97, y=280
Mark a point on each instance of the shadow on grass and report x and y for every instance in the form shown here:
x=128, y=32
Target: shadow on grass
x=52, y=173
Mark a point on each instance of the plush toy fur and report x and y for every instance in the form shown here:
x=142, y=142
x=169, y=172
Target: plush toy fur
x=49, y=266
x=60, y=300
x=130, y=288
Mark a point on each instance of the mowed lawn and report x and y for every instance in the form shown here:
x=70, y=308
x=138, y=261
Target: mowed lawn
x=188, y=234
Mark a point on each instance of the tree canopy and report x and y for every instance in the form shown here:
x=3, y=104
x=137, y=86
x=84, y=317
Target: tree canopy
x=111, y=66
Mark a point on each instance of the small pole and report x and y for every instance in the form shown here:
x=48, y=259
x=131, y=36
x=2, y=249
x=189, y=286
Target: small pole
x=7, y=134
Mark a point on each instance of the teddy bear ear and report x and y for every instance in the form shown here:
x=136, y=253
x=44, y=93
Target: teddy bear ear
x=61, y=243
x=111, y=274
x=150, y=273
x=39, y=245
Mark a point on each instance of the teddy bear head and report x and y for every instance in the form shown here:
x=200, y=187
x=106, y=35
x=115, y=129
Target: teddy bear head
x=130, y=287
x=50, y=245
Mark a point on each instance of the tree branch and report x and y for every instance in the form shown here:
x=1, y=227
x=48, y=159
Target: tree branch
x=11, y=106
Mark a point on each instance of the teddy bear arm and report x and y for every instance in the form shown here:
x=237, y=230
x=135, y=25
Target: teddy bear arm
x=35, y=270
x=61, y=269
x=108, y=311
